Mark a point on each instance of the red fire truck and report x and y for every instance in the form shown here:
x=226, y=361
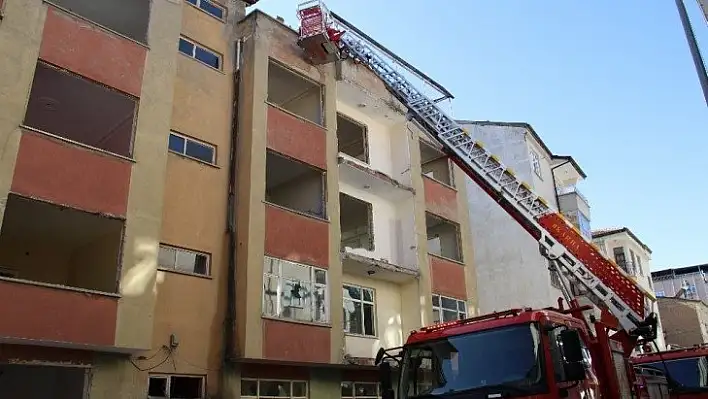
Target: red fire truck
x=686, y=370
x=581, y=351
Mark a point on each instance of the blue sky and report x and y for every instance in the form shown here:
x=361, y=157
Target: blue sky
x=610, y=83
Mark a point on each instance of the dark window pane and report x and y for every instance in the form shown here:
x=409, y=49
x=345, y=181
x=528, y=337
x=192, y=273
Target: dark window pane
x=448, y=303
x=207, y=57
x=369, y=319
x=186, y=47
x=200, y=264
x=176, y=144
x=186, y=387
x=347, y=389
x=212, y=9
x=200, y=151
x=354, y=292
x=249, y=387
x=436, y=300
x=157, y=387
x=449, y=315
x=368, y=295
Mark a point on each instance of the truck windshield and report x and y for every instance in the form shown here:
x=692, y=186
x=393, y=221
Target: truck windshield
x=689, y=374
x=504, y=361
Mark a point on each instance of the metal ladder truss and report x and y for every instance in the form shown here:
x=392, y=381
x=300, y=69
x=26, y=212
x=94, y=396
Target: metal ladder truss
x=561, y=241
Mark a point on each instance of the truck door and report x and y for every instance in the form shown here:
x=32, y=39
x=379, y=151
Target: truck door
x=589, y=388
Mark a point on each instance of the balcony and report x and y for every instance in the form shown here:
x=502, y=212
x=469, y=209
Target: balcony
x=58, y=279
x=570, y=199
x=377, y=238
x=129, y=18
x=78, y=110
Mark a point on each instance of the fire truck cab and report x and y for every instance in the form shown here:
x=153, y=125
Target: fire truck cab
x=685, y=369
x=516, y=353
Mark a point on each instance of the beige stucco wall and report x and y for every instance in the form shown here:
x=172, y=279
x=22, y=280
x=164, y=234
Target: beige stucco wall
x=20, y=37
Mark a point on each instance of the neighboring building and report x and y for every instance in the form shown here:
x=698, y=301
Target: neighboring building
x=688, y=282
x=634, y=257
x=685, y=322
x=506, y=257
x=134, y=251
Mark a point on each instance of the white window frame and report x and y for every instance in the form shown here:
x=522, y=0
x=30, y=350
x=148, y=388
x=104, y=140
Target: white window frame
x=184, y=148
x=184, y=251
x=354, y=395
x=363, y=302
x=169, y=377
x=194, y=53
x=212, y=3
x=258, y=389
x=440, y=308
x=536, y=163
x=313, y=282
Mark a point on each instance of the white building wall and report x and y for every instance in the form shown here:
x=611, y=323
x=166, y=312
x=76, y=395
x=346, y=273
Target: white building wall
x=606, y=245
x=510, y=270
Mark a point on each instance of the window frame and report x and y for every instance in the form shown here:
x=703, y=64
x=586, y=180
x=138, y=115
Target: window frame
x=619, y=255
x=179, y=250
x=169, y=377
x=536, y=163
x=193, y=56
x=363, y=302
x=355, y=383
x=313, y=283
x=193, y=140
x=197, y=5
x=258, y=388
x=440, y=308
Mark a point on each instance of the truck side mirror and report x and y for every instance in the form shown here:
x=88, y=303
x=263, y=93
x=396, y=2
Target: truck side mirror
x=385, y=378
x=573, y=360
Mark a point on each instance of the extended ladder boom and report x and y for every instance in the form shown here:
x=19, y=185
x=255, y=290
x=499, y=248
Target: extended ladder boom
x=608, y=285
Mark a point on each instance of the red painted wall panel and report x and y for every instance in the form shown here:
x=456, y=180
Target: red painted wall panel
x=90, y=51
x=52, y=314
x=448, y=278
x=297, y=138
x=295, y=342
x=69, y=175
x=296, y=238
x=440, y=199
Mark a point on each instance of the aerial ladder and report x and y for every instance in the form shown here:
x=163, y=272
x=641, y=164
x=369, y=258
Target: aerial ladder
x=325, y=37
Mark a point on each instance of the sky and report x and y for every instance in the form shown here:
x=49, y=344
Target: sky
x=610, y=82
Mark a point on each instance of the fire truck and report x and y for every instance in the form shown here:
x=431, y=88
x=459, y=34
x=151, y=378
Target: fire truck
x=686, y=370
x=579, y=349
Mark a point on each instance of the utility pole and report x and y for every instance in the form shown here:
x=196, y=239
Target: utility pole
x=693, y=45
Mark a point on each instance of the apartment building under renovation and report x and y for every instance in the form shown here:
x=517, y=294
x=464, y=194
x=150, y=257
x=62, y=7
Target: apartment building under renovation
x=191, y=209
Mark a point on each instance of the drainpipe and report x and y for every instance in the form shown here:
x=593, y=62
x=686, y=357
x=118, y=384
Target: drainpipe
x=231, y=204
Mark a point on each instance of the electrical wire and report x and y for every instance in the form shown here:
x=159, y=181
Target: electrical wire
x=168, y=356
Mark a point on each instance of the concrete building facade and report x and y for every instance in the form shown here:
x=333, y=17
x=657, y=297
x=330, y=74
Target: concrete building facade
x=506, y=257
x=187, y=204
x=687, y=282
x=685, y=322
x=634, y=257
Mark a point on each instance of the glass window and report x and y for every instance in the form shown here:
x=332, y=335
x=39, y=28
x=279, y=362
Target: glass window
x=689, y=374
x=584, y=225
x=252, y=388
x=536, y=163
x=494, y=363
x=360, y=390
x=192, y=148
x=448, y=309
x=186, y=47
x=211, y=8
x=176, y=387
x=294, y=291
x=359, y=310
x=183, y=260
x=200, y=53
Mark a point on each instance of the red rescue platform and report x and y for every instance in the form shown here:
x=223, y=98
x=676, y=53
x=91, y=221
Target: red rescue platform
x=318, y=37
